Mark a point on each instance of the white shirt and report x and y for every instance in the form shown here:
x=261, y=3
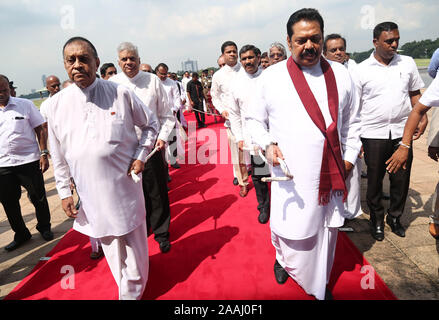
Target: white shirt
x=173, y=95
x=43, y=108
x=184, y=82
x=18, y=144
x=385, y=103
x=220, y=89
x=430, y=98
x=241, y=90
x=93, y=139
x=295, y=212
x=150, y=91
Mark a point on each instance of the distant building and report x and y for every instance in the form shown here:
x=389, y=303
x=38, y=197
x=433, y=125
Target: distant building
x=189, y=65
x=44, y=80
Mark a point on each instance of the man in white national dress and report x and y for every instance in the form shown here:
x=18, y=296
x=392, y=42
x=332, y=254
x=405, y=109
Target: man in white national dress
x=305, y=113
x=93, y=139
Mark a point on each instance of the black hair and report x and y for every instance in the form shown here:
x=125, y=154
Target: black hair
x=249, y=47
x=163, y=65
x=307, y=14
x=76, y=39
x=104, y=68
x=264, y=55
x=383, y=26
x=333, y=36
x=5, y=78
x=226, y=44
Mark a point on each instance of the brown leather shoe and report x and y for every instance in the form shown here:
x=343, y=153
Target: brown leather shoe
x=244, y=191
x=434, y=230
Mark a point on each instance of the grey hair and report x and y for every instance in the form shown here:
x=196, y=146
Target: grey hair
x=128, y=46
x=280, y=46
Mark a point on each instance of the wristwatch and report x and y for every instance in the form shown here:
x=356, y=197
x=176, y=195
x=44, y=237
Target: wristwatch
x=44, y=152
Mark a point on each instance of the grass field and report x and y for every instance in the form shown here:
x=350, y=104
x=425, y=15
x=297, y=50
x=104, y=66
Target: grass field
x=38, y=102
x=422, y=62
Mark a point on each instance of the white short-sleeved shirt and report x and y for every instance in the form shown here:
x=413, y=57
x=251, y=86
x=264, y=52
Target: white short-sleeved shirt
x=43, y=108
x=18, y=144
x=430, y=98
x=384, y=89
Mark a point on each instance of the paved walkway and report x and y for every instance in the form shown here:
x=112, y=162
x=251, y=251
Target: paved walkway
x=408, y=265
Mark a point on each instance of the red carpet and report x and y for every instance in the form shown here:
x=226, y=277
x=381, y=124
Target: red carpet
x=219, y=251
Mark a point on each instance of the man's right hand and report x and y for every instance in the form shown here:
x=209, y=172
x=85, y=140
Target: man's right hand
x=225, y=115
x=272, y=153
x=69, y=207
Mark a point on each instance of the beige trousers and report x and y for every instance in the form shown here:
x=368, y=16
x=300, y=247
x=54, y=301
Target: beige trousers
x=127, y=257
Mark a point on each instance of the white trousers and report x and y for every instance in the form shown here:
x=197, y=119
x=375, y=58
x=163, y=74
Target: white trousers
x=308, y=261
x=95, y=244
x=353, y=184
x=127, y=257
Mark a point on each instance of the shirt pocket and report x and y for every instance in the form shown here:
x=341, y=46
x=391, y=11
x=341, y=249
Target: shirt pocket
x=116, y=131
x=19, y=124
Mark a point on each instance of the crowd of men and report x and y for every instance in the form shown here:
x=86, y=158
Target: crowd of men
x=304, y=123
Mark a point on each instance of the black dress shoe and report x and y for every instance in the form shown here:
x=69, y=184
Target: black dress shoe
x=235, y=181
x=169, y=178
x=280, y=274
x=165, y=246
x=17, y=243
x=377, y=232
x=175, y=165
x=395, y=225
x=47, y=235
x=263, y=216
x=328, y=294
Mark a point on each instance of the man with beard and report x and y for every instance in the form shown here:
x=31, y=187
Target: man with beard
x=23, y=161
x=242, y=90
x=92, y=133
x=220, y=93
x=149, y=90
x=304, y=113
x=389, y=85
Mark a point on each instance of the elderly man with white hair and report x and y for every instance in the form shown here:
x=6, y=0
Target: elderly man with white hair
x=276, y=53
x=149, y=89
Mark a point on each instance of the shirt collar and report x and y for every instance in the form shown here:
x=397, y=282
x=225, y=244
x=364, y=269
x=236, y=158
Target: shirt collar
x=90, y=87
x=394, y=60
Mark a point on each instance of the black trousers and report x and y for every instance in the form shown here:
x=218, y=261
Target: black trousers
x=154, y=181
x=259, y=170
x=376, y=153
x=173, y=145
x=200, y=116
x=31, y=178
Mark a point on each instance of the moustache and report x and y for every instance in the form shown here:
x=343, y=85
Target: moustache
x=312, y=52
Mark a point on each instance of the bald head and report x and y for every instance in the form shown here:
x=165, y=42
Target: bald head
x=146, y=67
x=53, y=85
x=221, y=61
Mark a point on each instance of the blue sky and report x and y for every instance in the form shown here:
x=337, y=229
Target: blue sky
x=33, y=31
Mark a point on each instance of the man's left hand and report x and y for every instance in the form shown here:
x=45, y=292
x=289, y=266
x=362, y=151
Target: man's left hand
x=44, y=163
x=348, y=167
x=397, y=160
x=160, y=144
x=421, y=127
x=137, y=166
